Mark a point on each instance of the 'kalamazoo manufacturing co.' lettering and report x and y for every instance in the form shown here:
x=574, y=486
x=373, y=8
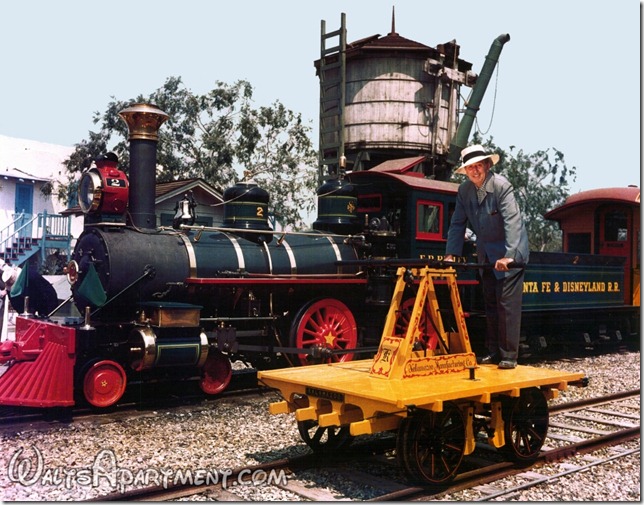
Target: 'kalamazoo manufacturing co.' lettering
x=571, y=287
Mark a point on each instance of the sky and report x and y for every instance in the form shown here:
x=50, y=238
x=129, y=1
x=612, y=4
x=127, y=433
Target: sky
x=569, y=78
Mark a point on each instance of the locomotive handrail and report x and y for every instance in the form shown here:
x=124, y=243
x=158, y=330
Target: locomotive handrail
x=68, y=299
x=315, y=351
x=419, y=263
x=311, y=233
x=305, y=276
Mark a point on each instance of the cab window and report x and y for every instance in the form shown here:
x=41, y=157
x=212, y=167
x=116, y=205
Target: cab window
x=429, y=220
x=369, y=203
x=616, y=227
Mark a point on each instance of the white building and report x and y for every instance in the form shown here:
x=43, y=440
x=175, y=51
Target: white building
x=26, y=168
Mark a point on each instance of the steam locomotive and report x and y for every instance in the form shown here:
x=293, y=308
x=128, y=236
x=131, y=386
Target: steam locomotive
x=164, y=303
x=181, y=302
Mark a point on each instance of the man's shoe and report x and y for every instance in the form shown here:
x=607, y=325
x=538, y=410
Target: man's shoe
x=508, y=364
x=490, y=359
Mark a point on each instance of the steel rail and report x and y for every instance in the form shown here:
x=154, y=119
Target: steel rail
x=466, y=480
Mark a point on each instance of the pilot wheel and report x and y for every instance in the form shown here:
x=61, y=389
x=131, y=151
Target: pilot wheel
x=104, y=383
x=216, y=373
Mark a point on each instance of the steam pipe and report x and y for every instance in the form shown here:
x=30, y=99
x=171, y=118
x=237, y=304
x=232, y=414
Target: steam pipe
x=465, y=127
x=143, y=121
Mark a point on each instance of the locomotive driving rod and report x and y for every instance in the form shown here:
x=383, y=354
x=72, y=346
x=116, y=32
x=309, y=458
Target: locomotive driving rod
x=419, y=263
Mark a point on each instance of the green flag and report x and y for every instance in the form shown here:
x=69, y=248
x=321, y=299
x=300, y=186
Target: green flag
x=22, y=282
x=91, y=288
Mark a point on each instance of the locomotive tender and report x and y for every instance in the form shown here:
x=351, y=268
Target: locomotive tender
x=182, y=302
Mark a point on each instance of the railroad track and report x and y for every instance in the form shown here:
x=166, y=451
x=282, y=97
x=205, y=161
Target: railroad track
x=167, y=395
x=149, y=396
x=576, y=428
x=172, y=395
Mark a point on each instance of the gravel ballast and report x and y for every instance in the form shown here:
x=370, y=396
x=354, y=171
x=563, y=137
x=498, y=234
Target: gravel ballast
x=89, y=458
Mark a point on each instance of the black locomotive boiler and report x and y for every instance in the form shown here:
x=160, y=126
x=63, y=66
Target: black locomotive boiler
x=165, y=302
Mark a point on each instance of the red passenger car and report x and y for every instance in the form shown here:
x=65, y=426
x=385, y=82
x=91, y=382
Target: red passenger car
x=605, y=221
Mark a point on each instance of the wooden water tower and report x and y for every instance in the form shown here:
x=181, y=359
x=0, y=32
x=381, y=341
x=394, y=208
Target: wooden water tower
x=387, y=97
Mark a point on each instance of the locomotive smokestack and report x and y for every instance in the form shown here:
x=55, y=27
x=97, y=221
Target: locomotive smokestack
x=143, y=121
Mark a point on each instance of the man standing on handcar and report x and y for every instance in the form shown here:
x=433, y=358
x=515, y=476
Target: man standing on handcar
x=486, y=201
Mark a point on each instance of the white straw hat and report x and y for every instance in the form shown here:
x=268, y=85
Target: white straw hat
x=474, y=154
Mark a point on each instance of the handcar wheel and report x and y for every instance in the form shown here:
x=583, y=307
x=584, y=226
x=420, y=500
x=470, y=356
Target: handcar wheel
x=216, y=373
x=428, y=334
x=104, y=383
x=403, y=444
x=526, y=425
x=437, y=445
x=324, y=440
x=324, y=324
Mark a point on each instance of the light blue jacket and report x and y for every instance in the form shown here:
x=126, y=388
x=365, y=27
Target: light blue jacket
x=497, y=223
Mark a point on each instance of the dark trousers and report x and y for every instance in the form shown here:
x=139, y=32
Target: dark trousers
x=503, y=298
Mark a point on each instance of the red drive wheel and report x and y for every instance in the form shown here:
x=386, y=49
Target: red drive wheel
x=324, y=324
x=216, y=373
x=428, y=333
x=104, y=383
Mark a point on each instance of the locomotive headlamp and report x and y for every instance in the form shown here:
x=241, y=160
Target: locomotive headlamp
x=72, y=272
x=104, y=188
x=89, y=191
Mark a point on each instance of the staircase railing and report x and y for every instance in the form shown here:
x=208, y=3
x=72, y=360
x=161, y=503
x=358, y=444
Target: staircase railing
x=20, y=228
x=27, y=235
x=9, y=230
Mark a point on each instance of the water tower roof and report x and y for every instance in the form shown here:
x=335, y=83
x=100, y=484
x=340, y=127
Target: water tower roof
x=393, y=43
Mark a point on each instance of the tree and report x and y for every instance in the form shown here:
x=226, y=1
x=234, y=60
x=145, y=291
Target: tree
x=540, y=182
x=221, y=137
x=270, y=146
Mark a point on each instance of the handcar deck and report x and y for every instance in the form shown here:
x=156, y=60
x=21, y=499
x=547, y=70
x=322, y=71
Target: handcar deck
x=345, y=393
x=375, y=394
x=351, y=382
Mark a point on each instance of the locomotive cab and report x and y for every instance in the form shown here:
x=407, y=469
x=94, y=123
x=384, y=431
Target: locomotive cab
x=399, y=202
